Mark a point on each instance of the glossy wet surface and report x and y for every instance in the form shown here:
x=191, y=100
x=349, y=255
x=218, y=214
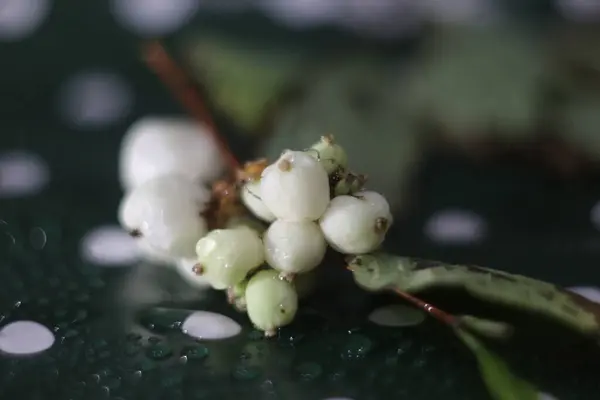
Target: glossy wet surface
x=83, y=318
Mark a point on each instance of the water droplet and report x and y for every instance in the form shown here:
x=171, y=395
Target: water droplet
x=197, y=352
x=357, y=346
x=309, y=371
x=38, y=238
x=25, y=337
x=210, y=326
x=159, y=351
x=246, y=372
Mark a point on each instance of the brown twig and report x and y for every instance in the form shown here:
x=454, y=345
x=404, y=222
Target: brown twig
x=182, y=87
x=435, y=312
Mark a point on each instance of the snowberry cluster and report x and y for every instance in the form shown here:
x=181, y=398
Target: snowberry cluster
x=309, y=199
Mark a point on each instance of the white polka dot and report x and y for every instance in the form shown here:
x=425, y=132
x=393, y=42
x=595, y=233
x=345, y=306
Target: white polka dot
x=210, y=326
x=455, y=227
x=397, y=315
x=154, y=17
x=580, y=10
x=25, y=337
x=20, y=18
x=459, y=11
x=589, y=292
x=381, y=18
x=595, y=215
x=109, y=246
x=95, y=99
x=22, y=174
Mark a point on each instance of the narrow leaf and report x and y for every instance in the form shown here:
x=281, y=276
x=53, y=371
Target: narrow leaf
x=501, y=383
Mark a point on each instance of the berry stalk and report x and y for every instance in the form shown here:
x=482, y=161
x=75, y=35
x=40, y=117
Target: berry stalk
x=182, y=87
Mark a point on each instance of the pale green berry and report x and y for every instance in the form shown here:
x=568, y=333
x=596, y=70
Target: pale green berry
x=330, y=154
x=236, y=295
x=295, y=187
x=271, y=302
x=226, y=256
x=349, y=184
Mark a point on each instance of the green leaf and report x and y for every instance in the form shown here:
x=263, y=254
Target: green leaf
x=502, y=384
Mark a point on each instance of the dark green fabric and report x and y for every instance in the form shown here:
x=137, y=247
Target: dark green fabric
x=537, y=226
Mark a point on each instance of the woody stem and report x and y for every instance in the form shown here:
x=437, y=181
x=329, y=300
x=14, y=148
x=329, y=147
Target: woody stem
x=182, y=87
x=435, y=312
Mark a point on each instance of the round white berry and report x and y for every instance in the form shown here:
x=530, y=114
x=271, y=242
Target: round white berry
x=330, y=154
x=155, y=146
x=250, y=194
x=270, y=301
x=356, y=224
x=164, y=214
x=295, y=187
x=294, y=247
x=185, y=267
x=226, y=256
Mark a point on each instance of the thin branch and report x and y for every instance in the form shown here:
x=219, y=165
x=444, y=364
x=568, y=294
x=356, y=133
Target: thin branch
x=182, y=87
x=435, y=312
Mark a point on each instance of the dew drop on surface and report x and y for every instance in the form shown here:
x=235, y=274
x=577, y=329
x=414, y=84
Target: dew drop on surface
x=397, y=315
x=154, y=17
x=455, y=227
x=109, y=246
x=357, y=346
x=21, y=18
x=95, y=99
x=589, y=292
x=25, y=337
x=159, y=351
x=210, y=326
x=22, y=174
x=197, y=352
x=309, y=371
x=38, y=238
x=246, y=372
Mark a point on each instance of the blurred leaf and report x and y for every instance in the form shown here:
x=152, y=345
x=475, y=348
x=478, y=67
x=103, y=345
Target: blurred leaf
x=502, y=384
x=581, y=123
x=354, y=100
x=471, y=79
x=243, y=77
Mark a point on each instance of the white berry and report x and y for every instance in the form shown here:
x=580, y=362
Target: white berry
x=295, y=187
x=270, y=301
x=250, y=194
x=155, y=146
x=356, y=225
x=164, y=214
x=226, y=256
x=294, y=247
x=330, y=154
